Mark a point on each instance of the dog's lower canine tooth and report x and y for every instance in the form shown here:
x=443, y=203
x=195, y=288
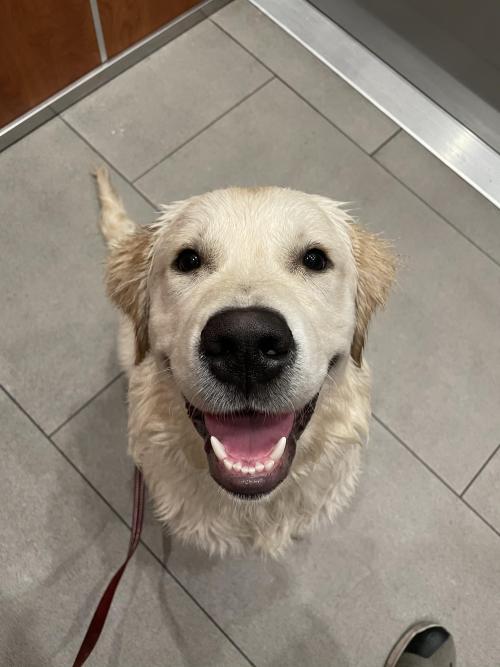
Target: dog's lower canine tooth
x=268, y=465
x=228, y=464
x=218, y=448
x=277, y=452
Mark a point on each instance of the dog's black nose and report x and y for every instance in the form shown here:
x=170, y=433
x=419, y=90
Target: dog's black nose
x=247, y=347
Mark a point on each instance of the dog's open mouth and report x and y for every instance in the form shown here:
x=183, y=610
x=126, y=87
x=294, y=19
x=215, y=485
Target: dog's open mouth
x=250, y=453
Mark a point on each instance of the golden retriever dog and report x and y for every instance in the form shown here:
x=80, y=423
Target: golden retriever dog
x=244, y=316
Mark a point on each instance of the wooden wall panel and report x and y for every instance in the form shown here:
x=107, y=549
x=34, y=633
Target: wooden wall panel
x=44, y=46
x=125, y=22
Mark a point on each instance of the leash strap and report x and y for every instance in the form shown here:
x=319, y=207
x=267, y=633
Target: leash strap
x=101, y=613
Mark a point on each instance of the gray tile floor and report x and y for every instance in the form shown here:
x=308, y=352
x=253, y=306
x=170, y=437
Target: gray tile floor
x=236, y=100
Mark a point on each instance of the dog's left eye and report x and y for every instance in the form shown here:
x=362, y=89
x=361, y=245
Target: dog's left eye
x=188, y=260
x=315, y=259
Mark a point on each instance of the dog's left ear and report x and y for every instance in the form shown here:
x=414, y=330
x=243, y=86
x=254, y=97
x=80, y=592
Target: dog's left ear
x=376, y=268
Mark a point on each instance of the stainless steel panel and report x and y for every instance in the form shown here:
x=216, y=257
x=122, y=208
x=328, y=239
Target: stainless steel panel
x=427, y=122
x=430, y=44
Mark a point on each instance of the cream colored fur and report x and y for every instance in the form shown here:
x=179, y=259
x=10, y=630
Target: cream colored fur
x=251, y=237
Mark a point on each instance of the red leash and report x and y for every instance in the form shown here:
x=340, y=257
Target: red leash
x=101, y=613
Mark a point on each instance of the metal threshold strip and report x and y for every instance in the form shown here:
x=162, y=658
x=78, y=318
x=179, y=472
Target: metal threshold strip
x=428, y=123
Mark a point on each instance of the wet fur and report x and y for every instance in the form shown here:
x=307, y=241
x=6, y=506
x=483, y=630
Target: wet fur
x=162, y=440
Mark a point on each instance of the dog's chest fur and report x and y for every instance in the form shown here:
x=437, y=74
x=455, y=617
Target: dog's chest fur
x=165, y=445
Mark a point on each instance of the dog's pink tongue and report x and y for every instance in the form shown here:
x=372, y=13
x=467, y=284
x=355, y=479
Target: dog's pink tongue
x=249, y=436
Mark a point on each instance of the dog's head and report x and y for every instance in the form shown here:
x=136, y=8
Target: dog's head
x=250, y=298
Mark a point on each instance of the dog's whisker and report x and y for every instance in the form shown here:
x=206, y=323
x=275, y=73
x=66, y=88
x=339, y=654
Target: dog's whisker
x=161, y=371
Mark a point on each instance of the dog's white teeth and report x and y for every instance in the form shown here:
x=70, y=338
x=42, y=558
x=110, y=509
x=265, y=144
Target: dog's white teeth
x=278, y=450
x=218, y=448
x=247, y=469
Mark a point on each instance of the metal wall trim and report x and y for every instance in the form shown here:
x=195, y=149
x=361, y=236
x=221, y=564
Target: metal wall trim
x=450, y=141
x=105, y=72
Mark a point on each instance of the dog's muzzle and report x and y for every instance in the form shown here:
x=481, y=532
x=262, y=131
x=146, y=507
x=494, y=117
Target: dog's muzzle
x=247, y=351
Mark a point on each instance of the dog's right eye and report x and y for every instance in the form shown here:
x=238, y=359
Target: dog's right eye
x=188, y=260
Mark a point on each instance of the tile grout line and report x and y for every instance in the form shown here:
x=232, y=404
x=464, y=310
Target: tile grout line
x=479, y=516
x=125, y=523
x=385, y=142
x=438, y=214
x=352, y=141
x=109, y=163
x=195, y=601
x=416, y=456
x=434, y=473
x=467, y=487
x=84, y=405
x=291, y=88
x=203, y=129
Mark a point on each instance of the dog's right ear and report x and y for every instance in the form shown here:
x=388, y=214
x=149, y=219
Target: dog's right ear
x=130, y=251
x=127, y=273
